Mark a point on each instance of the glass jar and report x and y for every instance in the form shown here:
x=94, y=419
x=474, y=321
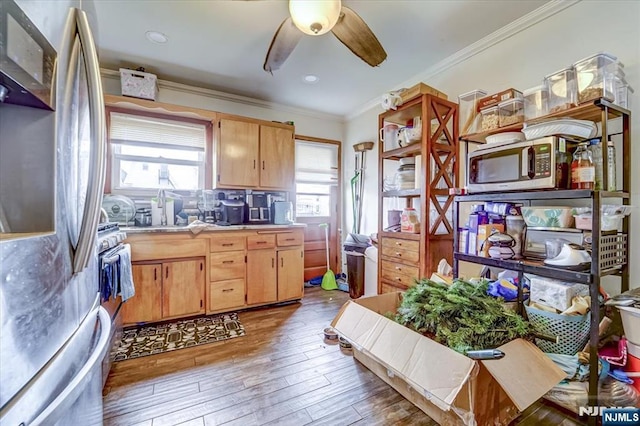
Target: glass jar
x=596, y=155
x=582, y=169
x=409, y=221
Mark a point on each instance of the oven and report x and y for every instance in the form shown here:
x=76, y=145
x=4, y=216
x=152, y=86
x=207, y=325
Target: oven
x=114, y=263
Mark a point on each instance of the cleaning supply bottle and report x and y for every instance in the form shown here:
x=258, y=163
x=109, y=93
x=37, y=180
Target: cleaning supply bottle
x=582, y=168
x=596, y=154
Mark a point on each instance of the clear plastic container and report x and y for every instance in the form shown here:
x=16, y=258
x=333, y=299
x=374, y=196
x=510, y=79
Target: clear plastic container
x=595, y=77
x=622, y=91
x=469, y=116
x=561, y=86
x=536, y=102
x=510, y=112
x=490, y=118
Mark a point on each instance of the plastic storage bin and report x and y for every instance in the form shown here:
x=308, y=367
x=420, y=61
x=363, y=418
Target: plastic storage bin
x=561, y=86
x=510, y=112
x=595, y=77
x=490, y=118
x=622, y=91
x=469, y=115
x=536, y=102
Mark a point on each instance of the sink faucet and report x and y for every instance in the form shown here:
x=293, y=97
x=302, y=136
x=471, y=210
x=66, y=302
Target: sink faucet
x=162, y=204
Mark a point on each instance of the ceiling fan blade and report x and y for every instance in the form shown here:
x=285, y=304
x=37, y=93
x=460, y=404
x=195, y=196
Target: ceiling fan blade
x=354, y=33
x=284, y=41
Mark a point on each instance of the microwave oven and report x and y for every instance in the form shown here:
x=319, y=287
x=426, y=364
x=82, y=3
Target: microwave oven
x=27, y=61
x=535, y=164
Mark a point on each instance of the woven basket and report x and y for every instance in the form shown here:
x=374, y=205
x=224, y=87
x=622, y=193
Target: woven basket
x=571, y=331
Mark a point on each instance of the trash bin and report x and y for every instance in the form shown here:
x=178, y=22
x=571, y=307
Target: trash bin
x=354, y=247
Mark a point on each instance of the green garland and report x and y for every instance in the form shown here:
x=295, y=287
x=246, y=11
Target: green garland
x=461, y=316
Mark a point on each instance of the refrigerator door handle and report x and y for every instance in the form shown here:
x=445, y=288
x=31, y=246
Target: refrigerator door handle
x=88, y=230
x=72, y=391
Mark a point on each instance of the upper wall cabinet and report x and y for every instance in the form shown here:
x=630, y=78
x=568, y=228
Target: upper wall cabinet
x=254, y=155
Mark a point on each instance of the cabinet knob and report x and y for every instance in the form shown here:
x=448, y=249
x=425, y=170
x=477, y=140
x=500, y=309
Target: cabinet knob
x=398, y=243
x=167, y=272
x=227, y=261
x=398, y=254
x=227, y=290
x=227, y=244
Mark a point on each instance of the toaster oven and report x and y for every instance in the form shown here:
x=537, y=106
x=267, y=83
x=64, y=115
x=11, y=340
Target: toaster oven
x=535, y=164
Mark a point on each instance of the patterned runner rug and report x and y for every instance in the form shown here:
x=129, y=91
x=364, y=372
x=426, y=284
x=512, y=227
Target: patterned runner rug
x=158, y=338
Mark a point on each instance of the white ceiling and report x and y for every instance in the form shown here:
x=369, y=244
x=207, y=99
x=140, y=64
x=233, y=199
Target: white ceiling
x=221, y=45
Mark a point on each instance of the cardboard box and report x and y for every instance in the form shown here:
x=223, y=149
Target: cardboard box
x=496, y=98
x=449, y=387
x=484, y=231
x=420, y=89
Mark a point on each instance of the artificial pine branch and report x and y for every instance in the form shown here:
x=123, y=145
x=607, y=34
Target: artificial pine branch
x=461, y=316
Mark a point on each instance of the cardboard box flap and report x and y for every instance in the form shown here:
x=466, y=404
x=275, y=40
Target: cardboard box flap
x=525, y=373
x=405, y=352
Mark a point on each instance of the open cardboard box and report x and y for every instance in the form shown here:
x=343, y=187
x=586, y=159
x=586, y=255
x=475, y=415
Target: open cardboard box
x=449, y=387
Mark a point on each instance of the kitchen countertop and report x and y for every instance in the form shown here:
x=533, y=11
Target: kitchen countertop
x=209, y=228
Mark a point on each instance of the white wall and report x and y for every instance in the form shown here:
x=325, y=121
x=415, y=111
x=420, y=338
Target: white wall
x=307, y=123
x=521, y=61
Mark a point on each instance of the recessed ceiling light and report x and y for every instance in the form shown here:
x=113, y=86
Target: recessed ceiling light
x=310, y=78
x=156, y=37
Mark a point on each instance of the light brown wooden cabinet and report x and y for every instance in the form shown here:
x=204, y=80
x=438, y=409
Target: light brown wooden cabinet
x=146, y=304
x=261, y=276
x=227, y=271
x=171, y=289
x=255, y=155
x=290, y=274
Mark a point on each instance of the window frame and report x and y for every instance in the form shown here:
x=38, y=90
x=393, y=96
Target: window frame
x=113, y=165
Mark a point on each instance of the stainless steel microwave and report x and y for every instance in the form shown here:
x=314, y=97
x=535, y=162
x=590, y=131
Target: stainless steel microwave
x=535, y=164
x=27, y=60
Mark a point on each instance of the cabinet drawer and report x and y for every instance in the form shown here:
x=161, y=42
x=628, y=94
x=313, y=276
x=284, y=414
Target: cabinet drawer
x=227, y=265
x=401, y=254
x=388, y=288
x=289, y=239
x=397, y=243
x=405, y=280
x=227, y=243
x=257, y=242
x=399, y=268
x=153, y=250
x=226, y=295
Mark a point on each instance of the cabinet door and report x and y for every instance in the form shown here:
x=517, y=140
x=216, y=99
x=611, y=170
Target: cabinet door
x=238, y=153
x=146, y=304
x=182, y=288
x=261, y=276
x=290, y=274
x=277, y=157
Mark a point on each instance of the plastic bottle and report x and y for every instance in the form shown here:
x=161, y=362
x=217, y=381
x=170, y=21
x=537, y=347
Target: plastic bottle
x=611, y=167
x=582, y=169
x=596, y=154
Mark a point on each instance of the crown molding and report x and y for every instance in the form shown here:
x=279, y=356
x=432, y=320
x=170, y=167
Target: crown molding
x=229, y=97
x=532, y=18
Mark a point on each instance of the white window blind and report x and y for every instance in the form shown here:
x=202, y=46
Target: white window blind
x=316, y=163
x=142, y=130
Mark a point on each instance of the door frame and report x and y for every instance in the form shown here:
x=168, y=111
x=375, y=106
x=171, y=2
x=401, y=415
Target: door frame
x=335, y=253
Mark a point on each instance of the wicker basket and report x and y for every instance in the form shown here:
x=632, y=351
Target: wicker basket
x=571, y=331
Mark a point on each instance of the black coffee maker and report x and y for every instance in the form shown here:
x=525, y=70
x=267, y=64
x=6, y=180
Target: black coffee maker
x=233, y=212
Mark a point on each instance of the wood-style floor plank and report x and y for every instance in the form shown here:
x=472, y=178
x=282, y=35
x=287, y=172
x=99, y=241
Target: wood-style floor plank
x=282, y=372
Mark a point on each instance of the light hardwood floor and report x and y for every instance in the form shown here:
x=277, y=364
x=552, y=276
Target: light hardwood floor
x=281, y=373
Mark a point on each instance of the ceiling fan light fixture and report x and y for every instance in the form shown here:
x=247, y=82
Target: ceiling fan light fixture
x=315, y=17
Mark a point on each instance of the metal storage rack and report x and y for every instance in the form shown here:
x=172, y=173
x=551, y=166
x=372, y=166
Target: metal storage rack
x=608, y=250
x=404, y=256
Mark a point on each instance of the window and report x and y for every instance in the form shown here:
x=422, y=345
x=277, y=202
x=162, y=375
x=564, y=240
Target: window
x=316, y=173
x=149, y=153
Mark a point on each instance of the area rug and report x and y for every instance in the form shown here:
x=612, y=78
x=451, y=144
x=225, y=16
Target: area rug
x=171, y=336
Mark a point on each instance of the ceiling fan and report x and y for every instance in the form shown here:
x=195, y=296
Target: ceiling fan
x=317, y=17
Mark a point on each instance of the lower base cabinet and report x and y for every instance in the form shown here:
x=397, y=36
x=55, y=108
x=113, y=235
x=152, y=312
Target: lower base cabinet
x=290, y=274
x=225, y=295
x=166, y=290
x=261, y=276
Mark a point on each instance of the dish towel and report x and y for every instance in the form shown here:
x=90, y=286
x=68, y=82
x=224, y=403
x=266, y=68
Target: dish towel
x=127, y=288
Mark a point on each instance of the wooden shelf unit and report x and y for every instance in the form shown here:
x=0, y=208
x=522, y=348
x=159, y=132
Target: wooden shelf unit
x=417, y=255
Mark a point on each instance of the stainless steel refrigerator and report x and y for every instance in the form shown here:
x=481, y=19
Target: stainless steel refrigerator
x=53, y=332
